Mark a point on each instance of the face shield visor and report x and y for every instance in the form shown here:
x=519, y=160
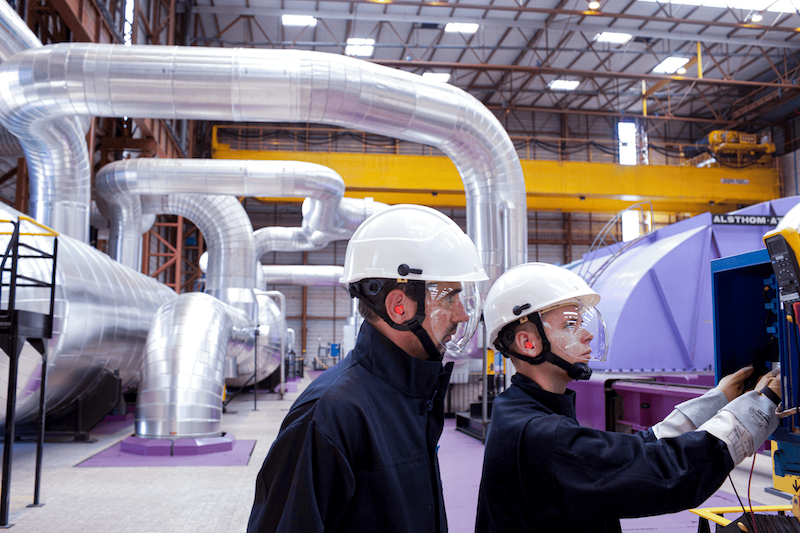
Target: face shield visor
x=453, y=313
x=578, y=331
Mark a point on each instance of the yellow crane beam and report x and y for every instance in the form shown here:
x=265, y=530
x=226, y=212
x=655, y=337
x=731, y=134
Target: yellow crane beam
x=550, y=185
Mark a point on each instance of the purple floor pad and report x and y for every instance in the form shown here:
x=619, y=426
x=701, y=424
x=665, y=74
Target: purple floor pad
x=113, y=456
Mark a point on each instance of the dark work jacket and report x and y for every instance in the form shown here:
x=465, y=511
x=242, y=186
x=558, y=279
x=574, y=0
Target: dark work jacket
x=357, y=451
x=542, y=471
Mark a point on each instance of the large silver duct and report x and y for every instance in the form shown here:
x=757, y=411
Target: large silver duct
x=102, y=315
x=60, y=173
x=307, y=275
x=122, y=183
x=317, y=231
x=271, y=331
x=180, y=394
x=15, y=36
x=191, y=338
x=135, y=187
x=79, y=79
x=229, y=235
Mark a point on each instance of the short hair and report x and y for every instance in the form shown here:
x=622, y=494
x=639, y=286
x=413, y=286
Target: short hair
x=380, y=298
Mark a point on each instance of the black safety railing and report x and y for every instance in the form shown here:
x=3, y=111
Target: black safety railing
x=20, y=325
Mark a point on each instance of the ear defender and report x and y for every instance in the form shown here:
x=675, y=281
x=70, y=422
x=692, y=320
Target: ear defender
x=528, y=345
x=398, y=309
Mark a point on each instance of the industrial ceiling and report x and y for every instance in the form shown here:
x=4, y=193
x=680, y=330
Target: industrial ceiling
x=738, y=60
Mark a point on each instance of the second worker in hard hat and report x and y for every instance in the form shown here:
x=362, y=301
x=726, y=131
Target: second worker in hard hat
x=543, y=471
x=357, y=450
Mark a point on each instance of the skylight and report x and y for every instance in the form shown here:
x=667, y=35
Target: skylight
x=563, y=85
x=298, y=20
x=670, y=65
x=613, y=37
x=626, y=131
x=359, y=47
x=442, y=77
x=461, y=27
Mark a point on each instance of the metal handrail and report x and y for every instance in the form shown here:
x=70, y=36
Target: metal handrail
x=13, y=340
x=599, y=242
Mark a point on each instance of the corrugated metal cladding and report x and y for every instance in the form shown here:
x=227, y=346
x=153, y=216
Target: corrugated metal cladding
x=328, y=307
x=790, y=173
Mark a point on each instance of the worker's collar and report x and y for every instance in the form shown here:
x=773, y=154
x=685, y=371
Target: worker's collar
x=389, y=362
x=563, y=404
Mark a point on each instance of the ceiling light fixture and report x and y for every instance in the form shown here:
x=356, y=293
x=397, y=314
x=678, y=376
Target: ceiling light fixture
x=461, y=27
x=670, y=65
x=563, y=85
x=359, y=47
x=298, y=20
x=613, y=37
x=442, y=77
x=594, y=4
x=756, y=17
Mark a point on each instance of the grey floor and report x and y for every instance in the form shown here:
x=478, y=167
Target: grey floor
x=217, y=499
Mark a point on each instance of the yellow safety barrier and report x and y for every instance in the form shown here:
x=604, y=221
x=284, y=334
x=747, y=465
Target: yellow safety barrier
x=714, y=514
x=48, y=232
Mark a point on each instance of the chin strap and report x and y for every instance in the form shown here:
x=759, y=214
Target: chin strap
x=363, y=290
x=576, y=371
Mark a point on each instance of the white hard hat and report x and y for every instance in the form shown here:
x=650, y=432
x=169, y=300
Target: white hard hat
x=529, y=288
x=411, y=242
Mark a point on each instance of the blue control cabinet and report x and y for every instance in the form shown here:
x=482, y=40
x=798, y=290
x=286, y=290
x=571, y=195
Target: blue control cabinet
x=750, y=327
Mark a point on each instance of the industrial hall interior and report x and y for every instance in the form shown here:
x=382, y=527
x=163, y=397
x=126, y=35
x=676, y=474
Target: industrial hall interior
x=181, y=181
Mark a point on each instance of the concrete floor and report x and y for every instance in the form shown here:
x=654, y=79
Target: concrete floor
x=218, y=499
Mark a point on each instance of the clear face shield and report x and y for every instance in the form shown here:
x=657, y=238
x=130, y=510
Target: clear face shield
x=453, y=311
x=578, y=331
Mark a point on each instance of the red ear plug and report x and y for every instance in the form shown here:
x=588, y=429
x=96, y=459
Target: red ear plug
x=528, y=345
x=398, y=309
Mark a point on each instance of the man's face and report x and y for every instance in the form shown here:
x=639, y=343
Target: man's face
x=444, y=311
x=567, y=335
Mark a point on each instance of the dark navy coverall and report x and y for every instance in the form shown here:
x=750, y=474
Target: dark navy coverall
x=544, y=472
x=357, y=451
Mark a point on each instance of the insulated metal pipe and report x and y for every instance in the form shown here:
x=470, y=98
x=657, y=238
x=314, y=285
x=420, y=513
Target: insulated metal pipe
x=269, y=342
x=60, y=80
x=122, y=184
x=57, y=199
x=183, y=372
x=277, y=295
x=307, y=275
x=102, y=315
x=316, y=232
x=229, y=235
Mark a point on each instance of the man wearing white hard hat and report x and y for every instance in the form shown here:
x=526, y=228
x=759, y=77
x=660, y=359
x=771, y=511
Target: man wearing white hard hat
x=545, y=472
x=357, y=451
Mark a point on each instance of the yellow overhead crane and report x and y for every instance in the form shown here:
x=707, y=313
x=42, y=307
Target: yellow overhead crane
x=732, y=149
x=550, y=185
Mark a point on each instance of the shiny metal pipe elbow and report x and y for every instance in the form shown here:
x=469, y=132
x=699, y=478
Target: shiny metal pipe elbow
x=183, y=369
x=278, y=86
